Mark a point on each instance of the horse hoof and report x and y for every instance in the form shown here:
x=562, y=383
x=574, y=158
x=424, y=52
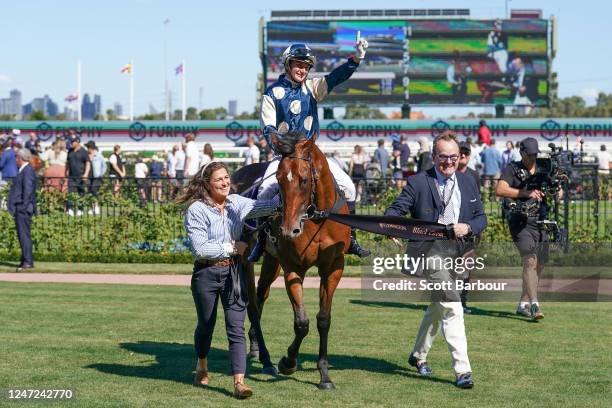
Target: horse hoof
x=271, y=370
x=326, y=386
x=254, y=354
x=284, y=369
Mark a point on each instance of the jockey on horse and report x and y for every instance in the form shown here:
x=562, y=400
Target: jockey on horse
x=290, y=104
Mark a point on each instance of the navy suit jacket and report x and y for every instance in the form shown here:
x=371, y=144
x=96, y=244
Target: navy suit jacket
x=421, y=199
x=22, y=195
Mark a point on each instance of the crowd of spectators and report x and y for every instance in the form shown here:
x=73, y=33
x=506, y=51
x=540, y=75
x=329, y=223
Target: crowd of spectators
x=67, y=166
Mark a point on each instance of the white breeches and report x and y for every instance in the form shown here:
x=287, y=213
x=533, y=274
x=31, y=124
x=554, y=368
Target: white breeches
x=269, y=186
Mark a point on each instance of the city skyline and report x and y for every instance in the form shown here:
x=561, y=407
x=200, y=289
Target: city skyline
x=90, y=106
x=220, y=47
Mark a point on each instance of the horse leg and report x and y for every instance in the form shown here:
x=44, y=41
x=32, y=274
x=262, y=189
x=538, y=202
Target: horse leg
x=270, y=269
x=293, y=283
x=329, y=282
x=269, y=273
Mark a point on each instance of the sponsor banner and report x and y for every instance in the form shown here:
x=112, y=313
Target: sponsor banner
x=231, y=133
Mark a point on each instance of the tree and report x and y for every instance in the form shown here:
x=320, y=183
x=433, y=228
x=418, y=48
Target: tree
x=213, y=114
x=192, y=113
x=152, y=116
x=363, y=112
x=110, y=114
x=37, y=115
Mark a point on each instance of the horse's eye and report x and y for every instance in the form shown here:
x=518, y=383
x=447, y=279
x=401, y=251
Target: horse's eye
x=303, y=182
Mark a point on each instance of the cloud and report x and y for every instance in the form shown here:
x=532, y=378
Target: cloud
x=5, y=78
x=589, y=95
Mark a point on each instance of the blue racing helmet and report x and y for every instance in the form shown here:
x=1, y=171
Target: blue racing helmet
x=299, y=52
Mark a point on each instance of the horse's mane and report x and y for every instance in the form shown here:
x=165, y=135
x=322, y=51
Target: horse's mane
x=286, y=143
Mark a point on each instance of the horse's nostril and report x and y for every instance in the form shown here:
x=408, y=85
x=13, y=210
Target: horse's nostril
x=296, y=231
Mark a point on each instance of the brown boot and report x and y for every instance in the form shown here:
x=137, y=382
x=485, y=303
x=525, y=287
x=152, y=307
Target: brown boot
x=201, y=375
x=201, y=378
x=241, y=390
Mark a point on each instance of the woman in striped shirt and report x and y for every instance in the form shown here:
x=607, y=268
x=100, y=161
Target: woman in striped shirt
x=214, y=221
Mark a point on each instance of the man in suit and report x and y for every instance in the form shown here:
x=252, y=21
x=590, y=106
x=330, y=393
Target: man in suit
x=22, y=205
x=443, y=195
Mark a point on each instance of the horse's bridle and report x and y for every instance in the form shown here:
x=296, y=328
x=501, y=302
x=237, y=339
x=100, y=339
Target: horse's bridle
x=311, y=209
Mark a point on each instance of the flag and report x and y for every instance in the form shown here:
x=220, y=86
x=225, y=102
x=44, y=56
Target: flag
x=71, y=98
x=127, y=68
x=178, y=70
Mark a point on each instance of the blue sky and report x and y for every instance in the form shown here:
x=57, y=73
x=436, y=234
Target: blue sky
x=42, y=41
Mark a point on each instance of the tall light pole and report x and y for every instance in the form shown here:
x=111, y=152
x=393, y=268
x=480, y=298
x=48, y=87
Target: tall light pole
x=166, y=108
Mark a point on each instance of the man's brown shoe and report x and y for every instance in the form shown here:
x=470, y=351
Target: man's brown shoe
x=242, y=391
x=201, y=378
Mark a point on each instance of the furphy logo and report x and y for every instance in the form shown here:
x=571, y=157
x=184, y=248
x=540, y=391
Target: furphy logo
x=234, y=131
x=438, y=127
x=137, y=131
x=44, y=131
x=550, y=130
x=335, y=131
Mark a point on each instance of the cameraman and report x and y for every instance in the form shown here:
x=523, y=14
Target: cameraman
x=521, y=185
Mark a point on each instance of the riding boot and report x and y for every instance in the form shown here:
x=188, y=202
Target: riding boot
x=354, y=247
x=259, y=247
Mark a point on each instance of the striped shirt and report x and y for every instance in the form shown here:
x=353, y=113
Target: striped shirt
x=211, y=233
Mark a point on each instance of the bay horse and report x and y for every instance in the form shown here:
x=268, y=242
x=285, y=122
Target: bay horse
x=305, y=238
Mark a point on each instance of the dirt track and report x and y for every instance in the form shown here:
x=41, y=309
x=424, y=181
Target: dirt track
x=602, y=287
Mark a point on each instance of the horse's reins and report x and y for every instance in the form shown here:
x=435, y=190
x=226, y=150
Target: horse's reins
x=311, y=209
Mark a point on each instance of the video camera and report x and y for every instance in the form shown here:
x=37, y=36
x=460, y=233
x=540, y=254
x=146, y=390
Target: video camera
x=553, y=170
x=551, y=176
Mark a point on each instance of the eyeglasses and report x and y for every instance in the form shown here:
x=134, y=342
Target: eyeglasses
x=444, y=158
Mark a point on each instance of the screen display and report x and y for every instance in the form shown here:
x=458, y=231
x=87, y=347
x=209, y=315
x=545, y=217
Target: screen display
x=428, y=62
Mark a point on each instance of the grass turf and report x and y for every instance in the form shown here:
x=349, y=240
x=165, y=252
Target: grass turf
x=132, y=268
x=121, y=345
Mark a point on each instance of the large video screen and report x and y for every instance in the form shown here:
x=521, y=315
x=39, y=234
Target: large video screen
x=425, y=62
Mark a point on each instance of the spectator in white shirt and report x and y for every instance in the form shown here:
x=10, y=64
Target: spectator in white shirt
x=207, y=155
x=603, y=160
x=180, y=163
x=192, y=156
x=251, y=155
x=140, y=174
x=171, y=162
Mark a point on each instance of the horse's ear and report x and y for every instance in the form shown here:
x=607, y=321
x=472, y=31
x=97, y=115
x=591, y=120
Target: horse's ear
x=311, y=142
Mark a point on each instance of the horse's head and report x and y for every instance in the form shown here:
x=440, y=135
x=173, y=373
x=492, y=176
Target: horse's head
x=296, y=180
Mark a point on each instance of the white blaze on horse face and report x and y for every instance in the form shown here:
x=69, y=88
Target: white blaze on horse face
x=289, y=176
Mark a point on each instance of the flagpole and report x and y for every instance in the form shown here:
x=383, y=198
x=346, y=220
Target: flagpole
x=184, y=94
x=78, y=100
x=131, y=91
x=166, y=95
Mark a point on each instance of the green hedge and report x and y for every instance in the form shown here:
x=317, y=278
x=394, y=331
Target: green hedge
x=131, y=233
